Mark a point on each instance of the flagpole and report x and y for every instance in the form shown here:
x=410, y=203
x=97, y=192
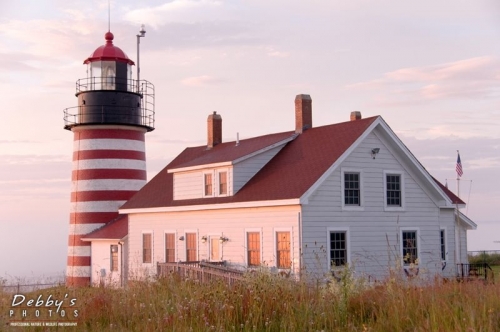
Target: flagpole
x=458, y=246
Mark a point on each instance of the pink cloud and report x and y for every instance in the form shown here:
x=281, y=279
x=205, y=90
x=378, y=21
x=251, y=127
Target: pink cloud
x=203, y=80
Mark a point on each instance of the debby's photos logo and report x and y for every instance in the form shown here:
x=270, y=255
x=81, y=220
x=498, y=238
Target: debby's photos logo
x=43, y=310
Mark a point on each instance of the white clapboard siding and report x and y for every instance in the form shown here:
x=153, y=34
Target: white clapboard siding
x=374, y=232
x=446, y=220
x=188, y=185
x=245, y=170
x=101, y=262
x=231, y=223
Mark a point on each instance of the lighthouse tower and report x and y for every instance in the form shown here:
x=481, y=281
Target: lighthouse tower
x=109, y=163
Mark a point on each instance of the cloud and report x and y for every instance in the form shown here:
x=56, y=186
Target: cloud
x=277, y=54
x=203, y=80
x=175, y=11
x=472, y=78
x=477, y=152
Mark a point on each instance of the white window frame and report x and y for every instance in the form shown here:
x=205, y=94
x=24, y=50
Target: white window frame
x=419, y=249
x=328, y=245
x=148, y=231
x=212, y=173
x=176, y=246
x=217, y=172
x=402, y=184
x=275, y=247
x=253, y=230
x=197, y=244
x=443, y=229
x=359, y=207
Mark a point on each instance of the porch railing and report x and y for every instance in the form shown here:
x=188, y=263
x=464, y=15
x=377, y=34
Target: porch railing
x=475, y=271
x=202, y=272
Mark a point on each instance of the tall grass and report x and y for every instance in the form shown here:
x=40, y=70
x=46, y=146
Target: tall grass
x=266, y=302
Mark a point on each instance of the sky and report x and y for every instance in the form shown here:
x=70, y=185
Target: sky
x=430, y=68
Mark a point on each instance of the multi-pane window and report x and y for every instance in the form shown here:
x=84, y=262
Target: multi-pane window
x=351, y=189
x=393, y=194
x=114, y=257
x=283, y=250
x=443, y=245
x=191, y=250
x=169, y=247
x=338, y=249
x=253, y=248
x=222, y=183
x=208, y=184
x=410, y=250
x=147, y=248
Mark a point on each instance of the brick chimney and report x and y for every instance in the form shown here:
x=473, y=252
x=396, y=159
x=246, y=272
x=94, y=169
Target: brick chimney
x=303, y=113
x=214, y=130
x=355, y=116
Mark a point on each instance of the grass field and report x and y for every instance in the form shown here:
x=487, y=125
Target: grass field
x=267, y=302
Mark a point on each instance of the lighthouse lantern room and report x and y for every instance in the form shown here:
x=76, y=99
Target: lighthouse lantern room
x=109, y=162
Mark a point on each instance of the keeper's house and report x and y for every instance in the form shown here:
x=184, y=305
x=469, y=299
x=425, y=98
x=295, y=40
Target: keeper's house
x=313, y=199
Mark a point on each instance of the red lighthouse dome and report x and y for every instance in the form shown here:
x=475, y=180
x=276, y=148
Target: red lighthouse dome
x=109, y=52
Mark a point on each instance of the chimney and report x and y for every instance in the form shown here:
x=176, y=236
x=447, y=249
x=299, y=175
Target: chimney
x=303, y=113
x=214, y=130
x=355, y=116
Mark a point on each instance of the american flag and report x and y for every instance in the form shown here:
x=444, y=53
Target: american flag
x=460, y=171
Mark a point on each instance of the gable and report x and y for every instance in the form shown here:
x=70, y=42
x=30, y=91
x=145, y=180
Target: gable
x=440, y=195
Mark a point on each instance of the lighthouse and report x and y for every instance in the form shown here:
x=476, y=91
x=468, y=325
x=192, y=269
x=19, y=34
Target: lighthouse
x=109, y=124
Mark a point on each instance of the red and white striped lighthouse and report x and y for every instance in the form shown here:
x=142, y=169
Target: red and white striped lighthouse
x=109, y=162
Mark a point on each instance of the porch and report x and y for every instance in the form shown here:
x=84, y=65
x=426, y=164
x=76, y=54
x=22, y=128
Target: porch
x=478, y=271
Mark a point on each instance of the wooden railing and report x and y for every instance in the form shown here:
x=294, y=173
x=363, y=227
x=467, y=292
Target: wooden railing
x=202, y=272
x=475, y=271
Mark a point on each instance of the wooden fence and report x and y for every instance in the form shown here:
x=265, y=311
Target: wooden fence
x=202, y=272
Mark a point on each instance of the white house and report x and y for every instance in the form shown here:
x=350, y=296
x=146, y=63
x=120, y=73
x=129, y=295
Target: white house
x=309, y=200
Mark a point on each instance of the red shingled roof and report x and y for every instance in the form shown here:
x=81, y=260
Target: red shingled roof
x=114, y=230
x=288, y=175
x=229, y=151
x=454, y=198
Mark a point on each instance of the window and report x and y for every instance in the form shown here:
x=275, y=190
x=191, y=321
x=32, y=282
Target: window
x=147, y=248
x=443, y=244
x=208, y=184
x=393, y=186
x=338, y=248
x=410, y=247
x=253, y=248
x=394, y=190
x=352, y=189
x=222, y=183
x=283, y=250
x=170, y=247
x=114, y=257
x=191, y=250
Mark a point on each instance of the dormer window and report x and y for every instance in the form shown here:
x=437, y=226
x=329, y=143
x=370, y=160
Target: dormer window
x=208, y=184
x=223, y=183
x=203, y=183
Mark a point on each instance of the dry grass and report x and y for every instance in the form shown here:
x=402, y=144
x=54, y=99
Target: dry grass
x=267, y=302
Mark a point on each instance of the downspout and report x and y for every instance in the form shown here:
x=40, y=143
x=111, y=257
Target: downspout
x=121, y=263
x=300, y=241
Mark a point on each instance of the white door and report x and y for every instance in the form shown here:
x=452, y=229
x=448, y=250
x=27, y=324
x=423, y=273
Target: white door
x=214, y=249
